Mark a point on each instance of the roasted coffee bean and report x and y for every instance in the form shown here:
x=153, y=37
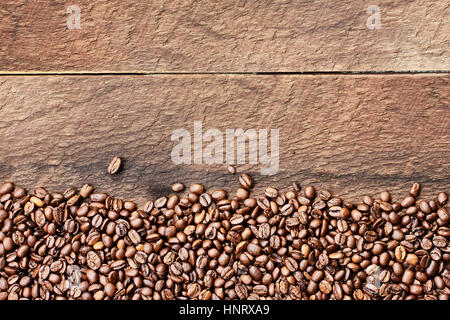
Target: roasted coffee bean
x=415, y=190
x=160, y=202
x=134, y=236
x=122, y=227
x=291, y=264
x=177, y=187
x=245, y=181
x=115, y=165
x=442, y=198
x=271, y=192
x=205, y=200
x=241, y=291
x=210, y=233
x=231, y=169
x=439, y=241
x=207, y=245
x=264, y=231
x=93, y=260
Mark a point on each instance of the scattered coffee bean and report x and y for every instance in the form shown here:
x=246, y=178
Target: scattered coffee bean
x=206, y=245
x=177, y=187
x=231, y=169
x=245, y=181
x=115, y=165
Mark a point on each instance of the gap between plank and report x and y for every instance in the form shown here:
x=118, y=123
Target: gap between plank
x=108, y=73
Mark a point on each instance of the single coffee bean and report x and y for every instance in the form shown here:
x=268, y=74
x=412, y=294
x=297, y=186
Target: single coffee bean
x=439, y=241
x=271, y=192
x=196, y=188
x=443, y=214
x=205, y=200
x=241, y=291
x=291, y=264
x=93, y=260
x=442, y=198
x=160, y=202
x=134, y=236
x=236, y=219
x=415, y=190
x=264, y=231
x=177, y=187
x=231, y=169
x=309, y=191
x=86, y=190
x=245, y=181
x=115, y=165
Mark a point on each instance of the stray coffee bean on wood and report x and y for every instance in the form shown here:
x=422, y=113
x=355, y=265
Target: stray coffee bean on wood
x=210, y=245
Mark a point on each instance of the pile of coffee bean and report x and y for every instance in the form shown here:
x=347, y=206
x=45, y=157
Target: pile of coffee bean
x=299, y=244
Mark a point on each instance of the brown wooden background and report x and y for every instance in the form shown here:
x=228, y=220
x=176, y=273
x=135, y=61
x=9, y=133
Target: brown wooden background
x=372, y=111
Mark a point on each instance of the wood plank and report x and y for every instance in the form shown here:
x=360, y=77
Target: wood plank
x=351, y=134
x=223, y=36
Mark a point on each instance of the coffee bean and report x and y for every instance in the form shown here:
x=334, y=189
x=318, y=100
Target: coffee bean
x=177, y=187
x=115, y=165
x=218, y=195
x=205, y=200
x=407, y=202
x=118, y=264
x=122, y=227
x=415, y=190
x=439, y=241
x=370, y=236
x=134, y=236
x=424, y=207
x=241, y=291
x=255, y=273
x=336, y=255
x=271, y=192
x=385, y=196
x=263, y=203
x=442, y=198
x=231, y=169
x=408, y=277
x=400, y=253
x=371, y=289
x=287, y=209
x=443, y=214
x=325, y=286
x=411, y=259
x=93, y=260
x=291, y=264
x=436, y=254
x=245, y=181
x=210, y=233
x=196, y=188
x=264, y=231
x=292, y=222
x=309, y=191
x=385, y=276
x=207, y=245
x=160, y=202
x=236, y=219
x=86, y=190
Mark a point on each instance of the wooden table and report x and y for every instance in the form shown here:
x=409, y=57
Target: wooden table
x=359, y=110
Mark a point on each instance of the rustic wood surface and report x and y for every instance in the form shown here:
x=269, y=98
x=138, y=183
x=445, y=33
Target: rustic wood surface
x=223, y=36
x=351, y=134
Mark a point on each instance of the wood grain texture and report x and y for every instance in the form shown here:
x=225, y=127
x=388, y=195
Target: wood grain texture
x=224, y=36
x=351, y=134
